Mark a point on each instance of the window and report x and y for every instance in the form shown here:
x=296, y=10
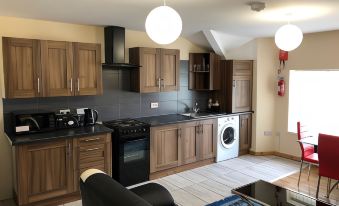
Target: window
x=314, y=100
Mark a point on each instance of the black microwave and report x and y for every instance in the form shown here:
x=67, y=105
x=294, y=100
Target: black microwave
x=33, y=122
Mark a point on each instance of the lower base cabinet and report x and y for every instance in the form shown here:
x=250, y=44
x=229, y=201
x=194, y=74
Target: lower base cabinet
x=51, y=170
x=245, y=134
x=179, y=144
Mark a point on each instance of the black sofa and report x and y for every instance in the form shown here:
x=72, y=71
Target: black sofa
x=99, y=189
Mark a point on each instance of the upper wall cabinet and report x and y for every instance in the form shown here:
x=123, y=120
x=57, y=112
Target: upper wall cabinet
x=159, y=69
x=42, y=68
x=22, y=68
x=204, y=71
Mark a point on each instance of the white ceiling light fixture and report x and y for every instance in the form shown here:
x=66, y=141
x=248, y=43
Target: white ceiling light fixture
x=288, y=37
x=163, y=24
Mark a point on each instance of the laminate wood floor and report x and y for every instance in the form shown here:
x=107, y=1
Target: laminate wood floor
x=213, y=182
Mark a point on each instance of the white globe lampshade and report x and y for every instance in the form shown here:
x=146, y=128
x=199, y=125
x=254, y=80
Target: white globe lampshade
x=288, y=37
x=163, y=25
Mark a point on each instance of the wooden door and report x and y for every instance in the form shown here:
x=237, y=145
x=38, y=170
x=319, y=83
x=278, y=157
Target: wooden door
x=44, y=170
x=242, y=94
x=245, y=133
x=206, y=139
x=170, y=69
x=22, y=68
x=189, y=142
x=87, y=67
x=57, y=68
x=165, y=148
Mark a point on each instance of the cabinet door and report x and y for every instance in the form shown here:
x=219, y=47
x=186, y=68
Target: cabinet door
x=206, y=139
x=87, y=67
x=150, y=70
x=242, y=93
x=165, y=148
x=57, y=68
x=214, y=72
x=44, y=171
x=189, y=138
x=170, y=62
x=21, y=67
x=245, y=133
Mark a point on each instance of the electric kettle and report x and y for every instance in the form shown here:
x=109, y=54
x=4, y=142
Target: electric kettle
x=91, y=117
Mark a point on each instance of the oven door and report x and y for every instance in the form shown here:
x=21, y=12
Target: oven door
x=134, y=161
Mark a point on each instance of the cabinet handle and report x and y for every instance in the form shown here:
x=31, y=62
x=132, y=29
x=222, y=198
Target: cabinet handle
x=92, y=149
x=234, y=85
x=163, y=83
x=90, y=140
x=78, y=85
x=69, y=150
x=159, y=83
x=202, y=129
x=39, y=85
x=71, y=84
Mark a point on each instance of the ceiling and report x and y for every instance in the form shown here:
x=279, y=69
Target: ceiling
x=233, y=18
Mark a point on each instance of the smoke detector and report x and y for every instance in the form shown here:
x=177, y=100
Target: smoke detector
x=257, y=5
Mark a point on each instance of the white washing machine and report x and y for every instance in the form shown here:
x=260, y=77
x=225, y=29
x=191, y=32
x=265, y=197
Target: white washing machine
x=228, y=138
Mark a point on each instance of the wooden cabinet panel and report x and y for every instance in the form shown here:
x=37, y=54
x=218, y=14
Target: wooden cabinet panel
x=57, y=68
x=87, y=65
x=159, y=69
x=44, y=171
x=242, y=68
x=170, y=63
x=245, y=133
x=22, y=67
x=189, y=141
x=242, y=93
x=207, y=139
x=165, y=148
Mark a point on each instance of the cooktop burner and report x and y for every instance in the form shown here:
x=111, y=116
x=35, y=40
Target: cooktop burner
x=125, y=123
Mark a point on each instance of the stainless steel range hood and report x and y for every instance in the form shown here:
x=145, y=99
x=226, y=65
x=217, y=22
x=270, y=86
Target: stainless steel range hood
x=115, y=49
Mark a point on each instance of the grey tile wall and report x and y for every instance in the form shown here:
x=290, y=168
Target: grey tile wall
x=117, y=101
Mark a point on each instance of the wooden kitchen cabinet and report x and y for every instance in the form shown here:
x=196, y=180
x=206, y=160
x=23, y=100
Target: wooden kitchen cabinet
x=44, y=170
x=57, y=68
x=245, y=133
x=180, y=144
x=43, y=68
x=189, y=142
x=235, y=94
x=22, y=68
x=87, y=69
x=159, y=71
x=206, y=139
x=165, y=149
x=204, y=71
x=46, y=173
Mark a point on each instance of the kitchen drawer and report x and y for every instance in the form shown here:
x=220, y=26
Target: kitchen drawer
x=92, y=153
x=242, y=68
x=98, y=139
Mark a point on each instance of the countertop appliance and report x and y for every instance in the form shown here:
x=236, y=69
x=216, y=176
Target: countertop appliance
x=64, y=121
x=27, y=122
x=228, y=138
x=130, y=150
x=91, y=117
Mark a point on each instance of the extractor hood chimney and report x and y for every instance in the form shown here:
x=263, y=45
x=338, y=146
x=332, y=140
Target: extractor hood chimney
x=115, y=48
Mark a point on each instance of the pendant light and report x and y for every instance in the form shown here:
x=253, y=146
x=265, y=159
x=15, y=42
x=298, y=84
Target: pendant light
x=163, y=24
x=288, y=37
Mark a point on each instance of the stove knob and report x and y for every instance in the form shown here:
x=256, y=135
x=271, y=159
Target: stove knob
x=135, y=131
x=144, y=129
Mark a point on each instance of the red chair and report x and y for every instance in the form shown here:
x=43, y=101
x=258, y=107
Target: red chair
x=328, y=160
x=307, y=151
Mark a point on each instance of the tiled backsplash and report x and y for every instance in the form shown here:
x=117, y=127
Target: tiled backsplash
x=117, y=101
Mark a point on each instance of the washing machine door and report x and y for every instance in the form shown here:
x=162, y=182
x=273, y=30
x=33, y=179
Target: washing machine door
x=227, y=137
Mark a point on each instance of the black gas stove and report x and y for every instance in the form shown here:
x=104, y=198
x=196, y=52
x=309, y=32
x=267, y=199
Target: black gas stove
x=130, y=150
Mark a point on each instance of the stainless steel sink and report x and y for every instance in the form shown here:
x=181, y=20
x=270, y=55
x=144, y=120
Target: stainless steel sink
x=199, y=114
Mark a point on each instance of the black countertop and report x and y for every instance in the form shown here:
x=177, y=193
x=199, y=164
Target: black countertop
x=178, y=118
x=58, y=134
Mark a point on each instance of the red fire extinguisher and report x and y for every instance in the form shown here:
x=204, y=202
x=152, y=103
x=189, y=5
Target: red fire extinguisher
x=281, y=87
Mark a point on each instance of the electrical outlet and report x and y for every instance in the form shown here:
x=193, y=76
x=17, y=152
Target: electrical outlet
x=64, y=111
x=268, y=133
x=154, y=105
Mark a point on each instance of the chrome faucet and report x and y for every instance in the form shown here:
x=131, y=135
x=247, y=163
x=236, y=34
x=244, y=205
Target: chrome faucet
x=196, y=108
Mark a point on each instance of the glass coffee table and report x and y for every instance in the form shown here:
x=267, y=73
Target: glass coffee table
x=265, y=193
